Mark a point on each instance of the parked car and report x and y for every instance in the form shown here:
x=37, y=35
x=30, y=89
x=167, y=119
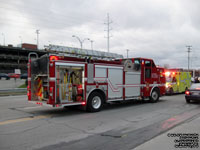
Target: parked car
x=4, y=75
x=193, y=93
x=24, y=76
x=13, y=75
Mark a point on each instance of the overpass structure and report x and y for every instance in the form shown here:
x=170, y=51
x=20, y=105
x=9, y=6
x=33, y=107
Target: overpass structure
x=12, y=58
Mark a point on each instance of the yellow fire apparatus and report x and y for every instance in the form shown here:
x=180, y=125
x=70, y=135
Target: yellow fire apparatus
x=177, y=81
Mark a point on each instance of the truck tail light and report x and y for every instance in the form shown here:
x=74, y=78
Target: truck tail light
x=80, y=87
x=57, y=105
x=39, y=103
x=187, y=92
x=29, y=92
x=51, y=91
x=83, y=103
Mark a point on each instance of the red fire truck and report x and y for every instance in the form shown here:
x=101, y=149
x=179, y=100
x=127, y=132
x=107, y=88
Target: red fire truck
x=59, y=81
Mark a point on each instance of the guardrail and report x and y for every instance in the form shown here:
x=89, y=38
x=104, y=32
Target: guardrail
x=15, y=91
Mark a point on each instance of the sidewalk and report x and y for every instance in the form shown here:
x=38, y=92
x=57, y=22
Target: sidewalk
x=172, y=138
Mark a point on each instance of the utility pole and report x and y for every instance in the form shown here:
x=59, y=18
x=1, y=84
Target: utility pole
x=91, y=44
x=127, y=52
x=37, y=32
x=107, y=23
x=189, y=50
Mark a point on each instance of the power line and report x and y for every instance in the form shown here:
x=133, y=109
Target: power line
x=107, y=23
x=189, y=50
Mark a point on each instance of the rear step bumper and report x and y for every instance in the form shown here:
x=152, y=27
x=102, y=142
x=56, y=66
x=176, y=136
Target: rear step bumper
x=57, y=105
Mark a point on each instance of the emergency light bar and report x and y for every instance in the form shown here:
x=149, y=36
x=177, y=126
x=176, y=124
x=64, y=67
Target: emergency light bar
x=71, y=51
x=170, y=73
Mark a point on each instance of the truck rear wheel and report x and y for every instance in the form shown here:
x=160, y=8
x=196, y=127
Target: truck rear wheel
x=95, y=102
x=154, y=96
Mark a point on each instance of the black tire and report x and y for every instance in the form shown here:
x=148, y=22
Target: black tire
x=95, y=102
x=188, y=100
x=155, y=95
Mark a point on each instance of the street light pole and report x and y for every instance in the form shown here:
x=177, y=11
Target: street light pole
x=127, y=52
x=81, y=41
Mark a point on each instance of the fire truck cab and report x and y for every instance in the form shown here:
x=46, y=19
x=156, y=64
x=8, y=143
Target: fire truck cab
x=58, y=80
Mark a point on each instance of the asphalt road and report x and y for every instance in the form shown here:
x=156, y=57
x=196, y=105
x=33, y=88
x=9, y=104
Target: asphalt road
x=25, y=126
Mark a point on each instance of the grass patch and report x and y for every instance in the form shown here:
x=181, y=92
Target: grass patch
x=22, y=86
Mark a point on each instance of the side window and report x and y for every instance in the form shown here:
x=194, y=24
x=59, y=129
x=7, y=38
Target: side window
x=136, y=64
x=147, y=73
x=147, y=63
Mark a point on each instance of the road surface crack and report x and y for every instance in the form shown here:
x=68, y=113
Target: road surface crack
x=83, y=131
x=23, y=131
x=113, y=136
x=16, y=109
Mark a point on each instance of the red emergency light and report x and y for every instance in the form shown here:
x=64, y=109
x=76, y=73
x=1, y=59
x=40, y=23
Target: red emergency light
x=53, y=58
x=170, y=73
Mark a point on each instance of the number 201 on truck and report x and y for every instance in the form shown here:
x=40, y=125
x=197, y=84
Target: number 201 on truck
x=61, y=81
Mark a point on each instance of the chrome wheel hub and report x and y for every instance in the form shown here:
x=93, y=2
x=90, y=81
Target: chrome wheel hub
x=96, y=102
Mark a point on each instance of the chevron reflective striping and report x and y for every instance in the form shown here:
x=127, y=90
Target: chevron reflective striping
x=40, y=89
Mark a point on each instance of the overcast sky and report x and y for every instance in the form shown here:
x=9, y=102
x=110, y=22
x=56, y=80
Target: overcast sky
x=158, y=29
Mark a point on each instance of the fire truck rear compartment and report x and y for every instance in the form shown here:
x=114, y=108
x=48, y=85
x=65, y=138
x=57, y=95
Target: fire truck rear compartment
x=39, y=79
x=69, y=84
